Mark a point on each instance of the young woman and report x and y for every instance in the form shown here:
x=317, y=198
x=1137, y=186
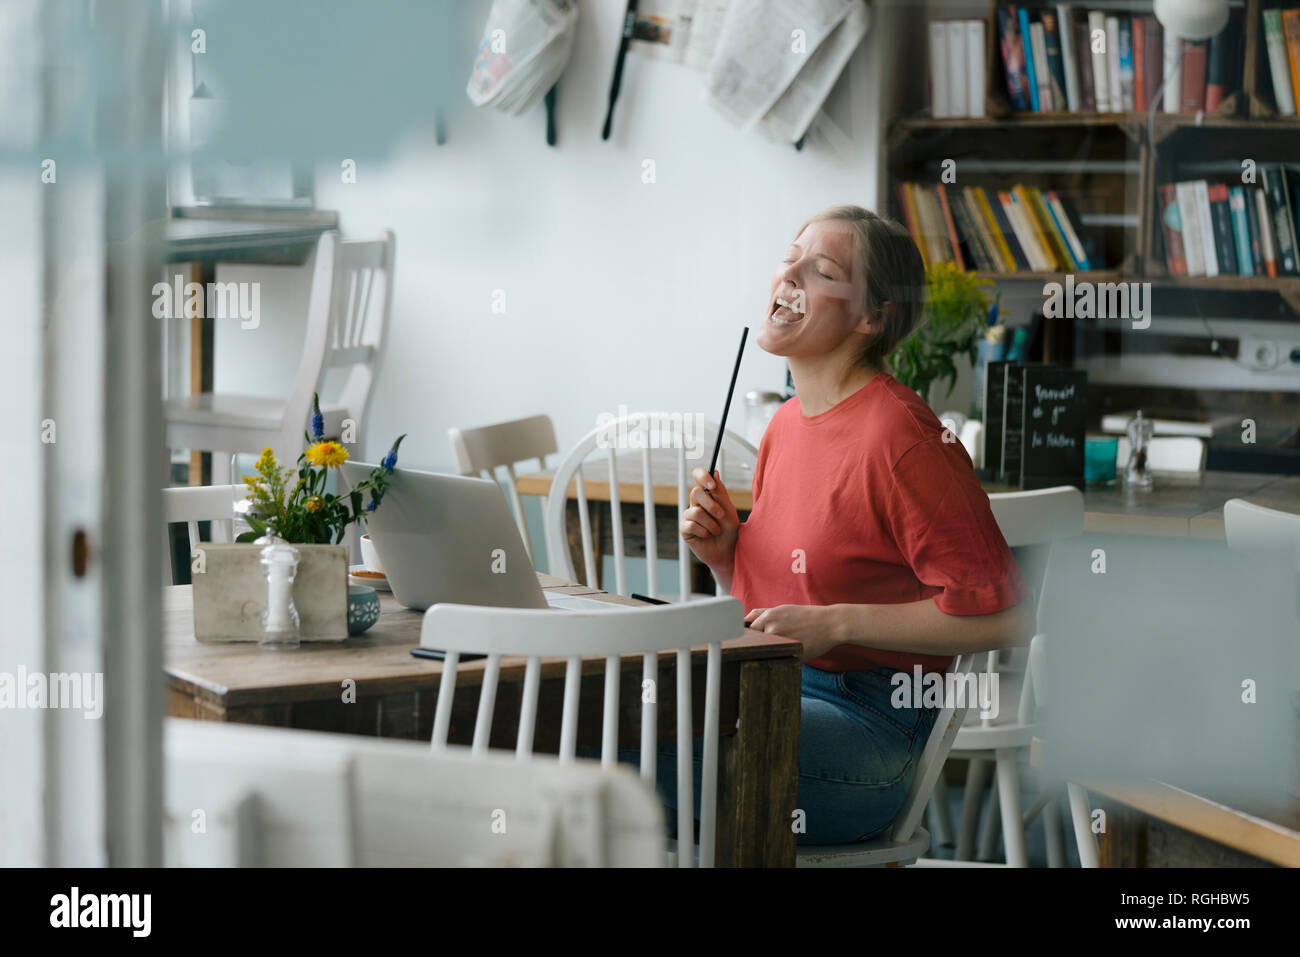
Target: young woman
x=870, y=540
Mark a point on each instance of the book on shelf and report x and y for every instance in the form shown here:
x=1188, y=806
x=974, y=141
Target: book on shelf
x=1021, y=229
x=1062, y=57
x=1291, y=30
x=1126, y=62
x=1195, y=53
x=1281, y=196
x=1069, y=61
x=1231, y=228
x=1013, y=58
x=1279, y=67
x=957, y=68
x=1031, y=72
x=1055, y=58
x=1172, y=226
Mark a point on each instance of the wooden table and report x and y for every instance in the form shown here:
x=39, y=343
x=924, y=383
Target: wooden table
x=1153, y=824
x=393, y=695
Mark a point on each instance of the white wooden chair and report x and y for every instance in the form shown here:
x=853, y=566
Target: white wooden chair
x=194, y=504
x=1254, y=528
x=268, y=796
x=345, y=334
x=1030, y=522
x=226, y=424
x=906, y=840
x=1171, y=454
x=647, y=632
x=736, y=458
x=481, y=451
x=358, y=327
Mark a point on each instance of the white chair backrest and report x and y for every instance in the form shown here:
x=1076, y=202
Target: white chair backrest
x=736, y=455
x=277, y=797
x=481, y=451
x=1038, y=517
x=199, y=503
x=1254, y=528
x=297, y=407
x=1031, y=522
x=538, y=633
x=358, y=317
x=937, y=746
x=1166, y=453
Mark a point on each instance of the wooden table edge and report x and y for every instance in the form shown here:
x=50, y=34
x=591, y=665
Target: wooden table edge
x=1252, y=835
x=754, y=648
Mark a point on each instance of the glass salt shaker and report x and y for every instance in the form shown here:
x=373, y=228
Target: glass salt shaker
x=1137, y=474
x=279, y=616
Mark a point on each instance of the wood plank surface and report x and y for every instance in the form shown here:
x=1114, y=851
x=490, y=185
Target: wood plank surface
x=1269, y=834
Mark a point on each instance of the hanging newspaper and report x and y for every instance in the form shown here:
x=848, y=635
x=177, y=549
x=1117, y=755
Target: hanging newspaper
x=777, y=60
x=526, y=45
x=680, y=31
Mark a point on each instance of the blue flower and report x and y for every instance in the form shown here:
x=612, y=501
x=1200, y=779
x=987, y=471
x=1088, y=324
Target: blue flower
x=317, y=420
x=373, y=503
x=390, y=460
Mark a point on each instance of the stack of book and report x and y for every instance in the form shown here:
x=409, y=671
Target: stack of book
x=1063, y=59
x=1233, y=229
x=1282, y=40
x=1021, y=229
x=957, y=68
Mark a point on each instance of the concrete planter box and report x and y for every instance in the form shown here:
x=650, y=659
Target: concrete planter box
x=230, y=590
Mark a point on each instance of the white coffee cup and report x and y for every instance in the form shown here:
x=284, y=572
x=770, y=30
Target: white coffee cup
x=369, y=555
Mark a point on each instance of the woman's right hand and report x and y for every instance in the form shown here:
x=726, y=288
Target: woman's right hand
x=711, y=525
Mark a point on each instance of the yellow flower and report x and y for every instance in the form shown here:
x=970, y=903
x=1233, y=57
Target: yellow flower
x=328, y=454
x=266, y=459
x=314, y=503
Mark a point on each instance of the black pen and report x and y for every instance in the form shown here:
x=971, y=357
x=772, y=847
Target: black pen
x=722, y=426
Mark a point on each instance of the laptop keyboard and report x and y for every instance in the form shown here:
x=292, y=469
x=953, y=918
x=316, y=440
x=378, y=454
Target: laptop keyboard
x=578, y=603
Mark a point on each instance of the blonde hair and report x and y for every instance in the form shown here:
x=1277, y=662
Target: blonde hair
x=893, y=275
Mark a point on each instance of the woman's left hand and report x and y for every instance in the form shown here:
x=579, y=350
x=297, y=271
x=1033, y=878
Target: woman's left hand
x=813, y=625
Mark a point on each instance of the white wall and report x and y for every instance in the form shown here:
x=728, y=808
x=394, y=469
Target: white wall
x=617, y=291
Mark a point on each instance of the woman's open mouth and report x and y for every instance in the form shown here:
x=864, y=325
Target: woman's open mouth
x=786, y=312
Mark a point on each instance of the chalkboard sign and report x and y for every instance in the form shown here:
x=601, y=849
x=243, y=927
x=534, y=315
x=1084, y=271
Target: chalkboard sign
x=995, y=378
x=1053, y=412
x=1013, y=422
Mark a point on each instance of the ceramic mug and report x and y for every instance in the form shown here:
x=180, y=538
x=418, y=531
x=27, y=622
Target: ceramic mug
x=370, y=555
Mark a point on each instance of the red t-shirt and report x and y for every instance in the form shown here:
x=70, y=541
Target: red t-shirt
x=867, y=504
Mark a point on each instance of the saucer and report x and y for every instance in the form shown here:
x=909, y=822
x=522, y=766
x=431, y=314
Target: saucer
x=376, y=580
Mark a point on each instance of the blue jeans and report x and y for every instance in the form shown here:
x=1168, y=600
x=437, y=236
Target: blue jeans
x=857, y=757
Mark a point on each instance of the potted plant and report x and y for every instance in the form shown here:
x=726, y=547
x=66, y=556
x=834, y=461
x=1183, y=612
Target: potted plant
x=952, y=325
x=305, y=513
x=291, y=509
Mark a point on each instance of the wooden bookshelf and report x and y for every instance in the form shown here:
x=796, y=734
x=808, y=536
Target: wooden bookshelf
x=1116, y=160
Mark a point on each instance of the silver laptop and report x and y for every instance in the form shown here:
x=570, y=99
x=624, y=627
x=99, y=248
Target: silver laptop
x=451, y=538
